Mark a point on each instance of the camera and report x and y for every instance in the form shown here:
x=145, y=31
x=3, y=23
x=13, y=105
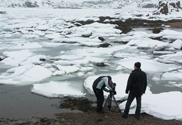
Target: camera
x=113, y=91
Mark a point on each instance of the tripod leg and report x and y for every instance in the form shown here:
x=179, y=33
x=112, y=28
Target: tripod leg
x=106, y=102
x=116, y=104
x=109, y=102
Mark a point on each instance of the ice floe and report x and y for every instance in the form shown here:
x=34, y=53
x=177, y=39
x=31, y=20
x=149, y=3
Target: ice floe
x=25, y=75
x=57, y=89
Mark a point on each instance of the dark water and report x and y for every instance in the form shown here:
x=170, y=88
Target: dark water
x=19, y=102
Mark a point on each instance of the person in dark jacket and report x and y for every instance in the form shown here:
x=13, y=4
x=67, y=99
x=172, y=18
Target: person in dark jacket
x=136, y=86
x=98, y=86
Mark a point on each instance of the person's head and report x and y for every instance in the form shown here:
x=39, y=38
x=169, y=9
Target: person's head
x=110, y=82
x=137, y=65
x=109, y=78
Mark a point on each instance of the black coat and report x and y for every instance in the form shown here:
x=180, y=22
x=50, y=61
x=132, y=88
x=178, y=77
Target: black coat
x=137, y=82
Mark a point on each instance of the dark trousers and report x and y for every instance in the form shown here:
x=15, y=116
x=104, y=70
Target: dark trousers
x=100, y=99
x=128, y=103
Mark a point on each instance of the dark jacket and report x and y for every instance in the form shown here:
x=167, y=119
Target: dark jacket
x=137, y=82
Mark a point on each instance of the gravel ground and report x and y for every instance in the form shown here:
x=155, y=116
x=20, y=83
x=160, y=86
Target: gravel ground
x=91, y=118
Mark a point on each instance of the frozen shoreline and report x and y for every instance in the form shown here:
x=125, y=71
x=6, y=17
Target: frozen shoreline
x=48, y=49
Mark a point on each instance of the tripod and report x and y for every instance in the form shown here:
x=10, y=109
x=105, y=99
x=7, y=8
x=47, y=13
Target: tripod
x=109, y=102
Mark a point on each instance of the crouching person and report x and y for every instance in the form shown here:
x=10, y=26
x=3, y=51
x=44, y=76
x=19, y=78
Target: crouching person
x=98, y=86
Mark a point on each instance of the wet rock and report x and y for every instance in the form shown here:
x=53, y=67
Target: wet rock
x=125, y=27
x=1, y=58
x=104, y=45
x=82, y=104
x=120, y=42
x=42, y=59
x=101, y=38
x=100, y=64
x=103, y=18
x=157, y=30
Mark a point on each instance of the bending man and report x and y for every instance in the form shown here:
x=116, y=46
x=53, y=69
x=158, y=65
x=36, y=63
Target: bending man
x=98, y=86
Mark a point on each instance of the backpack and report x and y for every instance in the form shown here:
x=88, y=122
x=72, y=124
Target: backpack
x=96, y=81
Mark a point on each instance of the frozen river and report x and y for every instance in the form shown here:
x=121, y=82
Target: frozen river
x=47, y=55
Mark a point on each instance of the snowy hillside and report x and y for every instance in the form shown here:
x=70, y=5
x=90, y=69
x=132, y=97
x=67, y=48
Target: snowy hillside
x=77, y=4
x=161, y=6
x=73, y=3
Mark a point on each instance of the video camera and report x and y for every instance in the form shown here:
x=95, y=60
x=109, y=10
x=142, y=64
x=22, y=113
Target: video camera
x=113, y=91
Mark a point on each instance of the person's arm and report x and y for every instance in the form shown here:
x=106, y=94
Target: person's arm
x=145, y=84
x=129, y=83
x=106, y=83
x=106, y=90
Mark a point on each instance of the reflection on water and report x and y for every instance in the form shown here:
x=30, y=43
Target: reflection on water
x=19, y=102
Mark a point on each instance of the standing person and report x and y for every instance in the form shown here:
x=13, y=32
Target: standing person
x=98, y=86
x=136, y=86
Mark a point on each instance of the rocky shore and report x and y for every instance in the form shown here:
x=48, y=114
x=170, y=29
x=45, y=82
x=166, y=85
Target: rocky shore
x=91, y=118
x=88, y=116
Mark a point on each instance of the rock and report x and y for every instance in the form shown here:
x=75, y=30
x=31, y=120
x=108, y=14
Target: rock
x=167, y=7
x=81, y=104
x=101, y=38
x=104, y=45
x=42, y=59
x=125, y=27
x=100, y=64
x=103, y=18
x=163, y=8
x=157, y=30
x=1, y=59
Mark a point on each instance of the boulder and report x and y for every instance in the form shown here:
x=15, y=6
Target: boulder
x=104, y=45
x=167, y=7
